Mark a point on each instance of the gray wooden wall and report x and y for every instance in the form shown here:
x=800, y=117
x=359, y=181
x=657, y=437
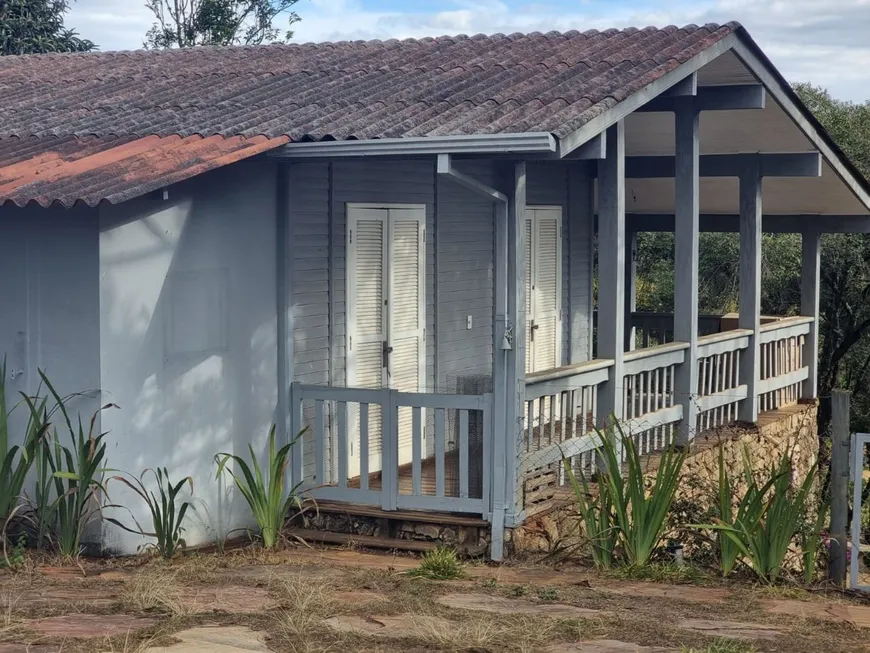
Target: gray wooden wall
x=460, y=241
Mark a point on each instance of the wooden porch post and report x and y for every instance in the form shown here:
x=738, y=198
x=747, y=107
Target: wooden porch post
x=810, y=263
x=686, y=218
x=750, y=287
x=611, y=270
x=515, y=372
x=630, y=287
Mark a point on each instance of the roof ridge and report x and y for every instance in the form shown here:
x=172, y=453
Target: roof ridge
x=140, y=52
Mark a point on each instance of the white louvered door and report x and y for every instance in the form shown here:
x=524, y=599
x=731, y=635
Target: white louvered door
x=543, y=288
x=406, y=362
x=366, y=322
x=386, y=307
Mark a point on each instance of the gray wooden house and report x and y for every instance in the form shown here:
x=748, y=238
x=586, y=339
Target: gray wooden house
x=393, y=245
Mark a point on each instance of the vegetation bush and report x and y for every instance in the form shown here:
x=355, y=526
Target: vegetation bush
x=167, y=519
x=442, y=563
x=630, y=513
x=267, y=497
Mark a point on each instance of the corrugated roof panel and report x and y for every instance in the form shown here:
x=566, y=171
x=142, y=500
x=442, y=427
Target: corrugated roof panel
x=109, y=126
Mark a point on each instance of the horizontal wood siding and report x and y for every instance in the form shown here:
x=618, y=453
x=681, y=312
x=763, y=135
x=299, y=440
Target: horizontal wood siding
x=465, y=282
x=309, y=271
x=386, y=182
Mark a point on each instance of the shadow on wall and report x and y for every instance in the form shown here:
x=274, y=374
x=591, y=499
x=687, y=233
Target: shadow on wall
x=188, y=339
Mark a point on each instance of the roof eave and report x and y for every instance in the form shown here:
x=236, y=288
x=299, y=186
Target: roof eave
x=522, y=143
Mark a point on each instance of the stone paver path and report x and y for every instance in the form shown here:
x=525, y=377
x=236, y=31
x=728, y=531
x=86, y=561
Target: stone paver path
x=90, y=625
x=606, y=646
x=358, y=597
x=231, y=598
x=858, y=615
x=730, y=629
x=661, y=591
x=216, y=639
x=393, y=626
x=501, y=605
x=66, y=595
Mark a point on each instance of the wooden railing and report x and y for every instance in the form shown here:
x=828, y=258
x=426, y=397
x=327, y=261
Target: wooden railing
x=650, y=408
x=653, y=329
x=393, y=449
x=560, y=415
x=719, y=388
x=782, y=366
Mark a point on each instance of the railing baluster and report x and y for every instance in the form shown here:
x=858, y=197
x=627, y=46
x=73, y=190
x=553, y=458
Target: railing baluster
x=463, y=454
x=416, y=451
x=319, y=437
x=342, y=444
x=364, y=446
x=439, y=452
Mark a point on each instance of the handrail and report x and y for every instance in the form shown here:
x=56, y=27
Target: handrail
x=567, y=378
x=652, y=352
x=567, y=371
x=714, y=338
x=787, y=322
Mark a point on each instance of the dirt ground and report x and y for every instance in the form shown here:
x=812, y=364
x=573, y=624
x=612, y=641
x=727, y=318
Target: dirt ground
x=317, y=600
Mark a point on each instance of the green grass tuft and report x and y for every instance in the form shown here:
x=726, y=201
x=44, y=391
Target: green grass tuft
x=659, y=572
x=441, y=564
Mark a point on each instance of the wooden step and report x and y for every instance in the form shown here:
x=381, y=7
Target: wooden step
x=442, y=518
x=374, y=542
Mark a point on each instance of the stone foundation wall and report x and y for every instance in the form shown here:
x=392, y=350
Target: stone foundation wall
x=793, y=429
x=468, y=540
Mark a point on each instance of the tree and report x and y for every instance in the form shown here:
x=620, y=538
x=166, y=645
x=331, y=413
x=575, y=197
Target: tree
x=36, y=26
x=188, y=23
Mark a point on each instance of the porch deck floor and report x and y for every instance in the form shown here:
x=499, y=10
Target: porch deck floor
x=427, y=478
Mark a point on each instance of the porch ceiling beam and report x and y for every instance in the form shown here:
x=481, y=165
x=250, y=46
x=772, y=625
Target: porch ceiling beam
x=721, y=222
x=445, y=168
x=792, y=164
x=592, y=150
x=715, y=98
x=687, y=86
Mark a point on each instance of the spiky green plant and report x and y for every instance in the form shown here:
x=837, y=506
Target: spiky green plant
x=595, y=517
x=77, y=472
x=16, y=462
x=640, y=509
x=765, y=530
x=269, y=500
x=167, y=518
x=749, y=508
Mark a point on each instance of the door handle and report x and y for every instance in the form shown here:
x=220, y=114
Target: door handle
x=386, y=355
x=534, y=327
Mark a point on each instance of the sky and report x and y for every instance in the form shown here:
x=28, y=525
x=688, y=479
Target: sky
x=820, y=41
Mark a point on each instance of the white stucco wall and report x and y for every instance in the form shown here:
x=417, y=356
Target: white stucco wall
x=188, y=338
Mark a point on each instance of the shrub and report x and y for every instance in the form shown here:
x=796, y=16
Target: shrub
x=629, y=507
x=16, y=462
x=76, y=473
x=443, y=563
x=167, y=522
x=768, y=519
x=266, y=496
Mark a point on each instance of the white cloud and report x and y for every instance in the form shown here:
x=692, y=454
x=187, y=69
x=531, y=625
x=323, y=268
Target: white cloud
x=822, y=41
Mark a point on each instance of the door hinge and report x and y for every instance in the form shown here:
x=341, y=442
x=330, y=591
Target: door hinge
x=350, y=342
x=424, y=235
x=351, y=236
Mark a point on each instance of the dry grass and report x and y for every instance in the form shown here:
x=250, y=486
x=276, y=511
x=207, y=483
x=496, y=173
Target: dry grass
x=723, y=646
x=157, y=590
x=484, y=632
x=304, y=604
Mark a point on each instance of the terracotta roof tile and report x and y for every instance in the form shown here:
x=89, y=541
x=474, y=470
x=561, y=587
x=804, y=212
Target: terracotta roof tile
x=63, y=113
